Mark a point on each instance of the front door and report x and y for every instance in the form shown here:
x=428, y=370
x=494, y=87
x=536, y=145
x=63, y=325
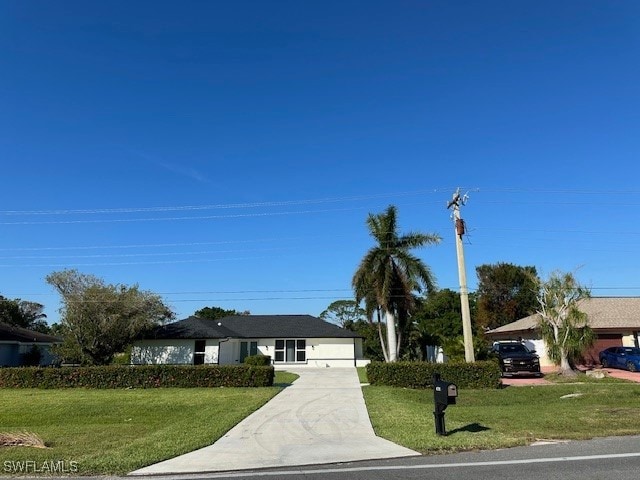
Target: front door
x=291, y=351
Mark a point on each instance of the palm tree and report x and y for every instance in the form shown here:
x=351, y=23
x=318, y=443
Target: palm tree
x=564, y=328
x=389, y=274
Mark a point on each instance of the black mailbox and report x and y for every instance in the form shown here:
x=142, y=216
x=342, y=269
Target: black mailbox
x=444, y=394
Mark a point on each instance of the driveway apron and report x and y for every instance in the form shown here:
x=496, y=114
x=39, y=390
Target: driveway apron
x=321, y=418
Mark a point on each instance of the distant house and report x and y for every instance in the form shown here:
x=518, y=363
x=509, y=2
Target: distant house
x=616, y=321
x=297, y=340
x=18, y=346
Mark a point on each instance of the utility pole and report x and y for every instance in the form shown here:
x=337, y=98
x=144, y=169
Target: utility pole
x=456, y=202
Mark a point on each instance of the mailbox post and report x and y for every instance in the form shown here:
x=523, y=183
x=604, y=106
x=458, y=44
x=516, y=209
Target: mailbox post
x=444, y=394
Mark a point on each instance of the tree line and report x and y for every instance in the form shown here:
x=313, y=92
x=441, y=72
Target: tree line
x=397, y=306
x=400, y=297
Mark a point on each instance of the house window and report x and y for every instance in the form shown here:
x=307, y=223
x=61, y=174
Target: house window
x=248, y=348
x=279, y=351
x=291, y=351
x=198, y=352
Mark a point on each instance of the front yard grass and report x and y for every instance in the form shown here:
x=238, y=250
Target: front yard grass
x=362, y=374
x=485, y=419
x=117, y=431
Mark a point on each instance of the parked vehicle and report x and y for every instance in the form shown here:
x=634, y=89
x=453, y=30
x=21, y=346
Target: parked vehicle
x=621, y=357
x=516, y=359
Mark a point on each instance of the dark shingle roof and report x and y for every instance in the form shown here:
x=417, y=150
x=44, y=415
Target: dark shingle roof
x=252, y=326
x=602, y=313
x=10, y=333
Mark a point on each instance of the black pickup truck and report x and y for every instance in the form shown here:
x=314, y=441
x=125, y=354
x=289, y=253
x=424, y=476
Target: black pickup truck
x=516, y=359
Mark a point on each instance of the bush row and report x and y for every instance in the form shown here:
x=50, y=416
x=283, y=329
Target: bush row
x=141, y=376
x=485, y=374
x=257, y=360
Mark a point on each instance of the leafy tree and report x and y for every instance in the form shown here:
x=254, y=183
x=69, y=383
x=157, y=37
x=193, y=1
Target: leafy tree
x=438, y=321
x=506, y=293
x=69, y=350
x=342, y=312
x=389, y=274
x=441, y=313
x=99, y=320
x=24, y=314
x=214, y=313
x=454, y=348
x=371, y=344
x=564, y=327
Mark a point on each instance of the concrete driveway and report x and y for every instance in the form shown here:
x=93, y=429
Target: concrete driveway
x=623, y=374
x=321, y=418
x=526, y=381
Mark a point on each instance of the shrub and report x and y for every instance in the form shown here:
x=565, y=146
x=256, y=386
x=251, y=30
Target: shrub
x=123, y=358
x=484, y=374
x=258, y=360
x=142, y=376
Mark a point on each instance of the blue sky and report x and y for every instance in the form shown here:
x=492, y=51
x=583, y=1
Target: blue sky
x=228, y=153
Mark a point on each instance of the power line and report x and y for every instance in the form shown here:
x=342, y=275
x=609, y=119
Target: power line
x=114, y=264
x=159, y=245
x=567, y=191
x=204, y=217
x=175, y=219
x=229, y=206
x=160, y=254
x=278, y=203
x=339, y=293
x=548, y=230
x=93, y=211
x=542, y=202
x=224, y=292
x=286, y=253
x=477, y=230
x=232, y=299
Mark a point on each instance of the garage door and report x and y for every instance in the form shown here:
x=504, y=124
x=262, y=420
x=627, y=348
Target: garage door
x=605, y=340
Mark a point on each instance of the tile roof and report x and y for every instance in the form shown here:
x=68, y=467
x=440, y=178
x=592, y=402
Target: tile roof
x=251, y=326
x=11, y=333
x=602, y=313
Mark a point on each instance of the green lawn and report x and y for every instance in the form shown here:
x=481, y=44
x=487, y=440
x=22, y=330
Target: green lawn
x=362, y=374
x=506, y=417
x=116, y=431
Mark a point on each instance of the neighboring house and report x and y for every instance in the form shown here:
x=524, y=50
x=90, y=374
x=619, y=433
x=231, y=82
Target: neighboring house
x=299, y=340
x=616, y=321
x=17, y=344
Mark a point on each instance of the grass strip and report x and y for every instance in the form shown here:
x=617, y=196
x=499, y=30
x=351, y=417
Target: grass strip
x=117, y=431
x=486, y=419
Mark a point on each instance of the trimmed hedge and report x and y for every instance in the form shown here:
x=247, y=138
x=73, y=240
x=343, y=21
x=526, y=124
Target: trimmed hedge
x=258, y=360
x=140, y=376
x=485, y=374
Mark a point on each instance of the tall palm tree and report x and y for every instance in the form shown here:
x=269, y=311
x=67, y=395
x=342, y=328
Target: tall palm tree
x=389, y=274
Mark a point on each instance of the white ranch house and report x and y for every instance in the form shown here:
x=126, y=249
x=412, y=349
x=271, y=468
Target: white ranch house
x=295, y=340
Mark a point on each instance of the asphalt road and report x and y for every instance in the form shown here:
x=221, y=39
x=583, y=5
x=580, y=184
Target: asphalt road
x=604, y=458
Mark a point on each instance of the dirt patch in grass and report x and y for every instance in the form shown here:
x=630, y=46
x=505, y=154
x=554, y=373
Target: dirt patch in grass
x=21, y=439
